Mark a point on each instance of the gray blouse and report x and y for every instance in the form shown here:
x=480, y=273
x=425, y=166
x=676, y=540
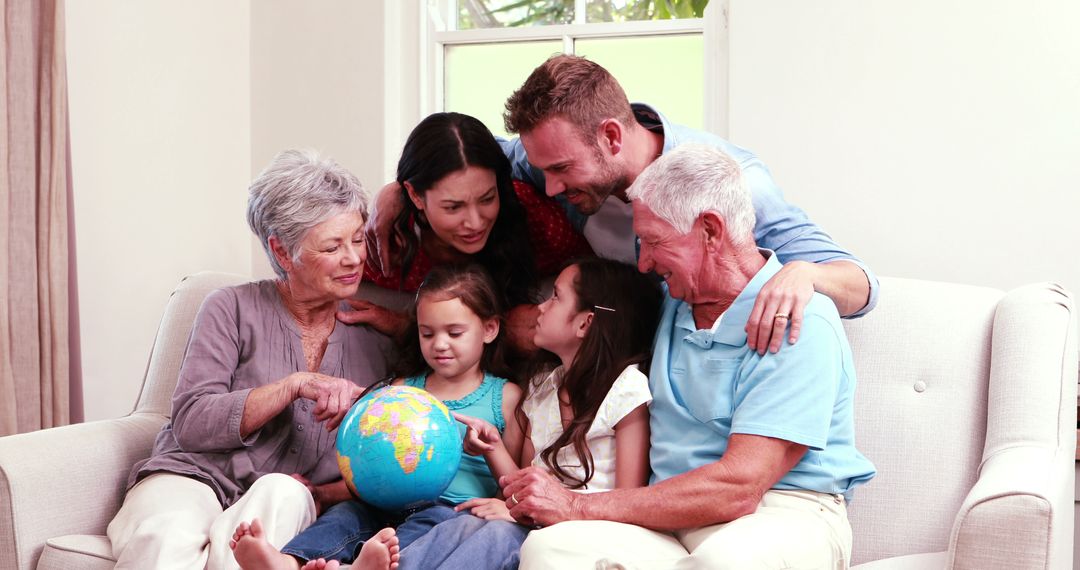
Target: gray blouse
x=243, y=338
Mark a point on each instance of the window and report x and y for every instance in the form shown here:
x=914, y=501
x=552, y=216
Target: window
x=480, y=51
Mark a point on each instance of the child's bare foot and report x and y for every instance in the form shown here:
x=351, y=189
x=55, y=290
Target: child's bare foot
x=381, y=552
x=320, y=564
x=253, y=552
x=242, y=530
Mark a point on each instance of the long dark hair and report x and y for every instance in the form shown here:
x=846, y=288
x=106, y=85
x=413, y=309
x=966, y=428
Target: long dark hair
x=474, y=287
x=444, y=143
x=626, y=311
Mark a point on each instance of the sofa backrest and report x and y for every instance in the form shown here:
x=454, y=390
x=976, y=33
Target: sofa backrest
x=163, y=368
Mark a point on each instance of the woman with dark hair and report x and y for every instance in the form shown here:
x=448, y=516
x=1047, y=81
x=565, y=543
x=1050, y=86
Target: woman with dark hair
x=462, y=206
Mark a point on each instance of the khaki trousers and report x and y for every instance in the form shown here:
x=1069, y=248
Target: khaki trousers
x=170, y=521
x=789, y=530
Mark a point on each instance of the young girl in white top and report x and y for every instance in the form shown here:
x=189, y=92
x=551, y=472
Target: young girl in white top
x=587, y=421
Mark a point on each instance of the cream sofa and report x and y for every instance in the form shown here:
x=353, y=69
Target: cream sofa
x=966, y=405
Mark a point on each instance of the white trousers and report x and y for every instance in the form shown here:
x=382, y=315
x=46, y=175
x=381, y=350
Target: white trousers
x=173, y=522
x=789, y=530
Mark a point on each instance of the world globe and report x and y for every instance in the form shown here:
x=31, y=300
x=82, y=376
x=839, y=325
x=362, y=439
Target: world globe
x=398, y=447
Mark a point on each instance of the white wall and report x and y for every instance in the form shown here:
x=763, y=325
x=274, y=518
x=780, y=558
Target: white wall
x=161, y=157
x=939, y=140
x=174, y=109
x=316, y=82
x=936, y=140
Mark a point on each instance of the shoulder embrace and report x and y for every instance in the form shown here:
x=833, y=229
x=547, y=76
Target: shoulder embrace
x=821, y=324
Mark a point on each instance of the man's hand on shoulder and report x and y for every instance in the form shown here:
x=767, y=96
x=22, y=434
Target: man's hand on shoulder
x=780, y=302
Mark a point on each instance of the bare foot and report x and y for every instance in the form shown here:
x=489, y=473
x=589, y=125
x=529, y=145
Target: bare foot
x=381, y=552
x=320, y=564
x=242, y=530
x=253, y=552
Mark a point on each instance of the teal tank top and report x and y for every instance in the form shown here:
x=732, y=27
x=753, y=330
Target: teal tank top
x=473, y=479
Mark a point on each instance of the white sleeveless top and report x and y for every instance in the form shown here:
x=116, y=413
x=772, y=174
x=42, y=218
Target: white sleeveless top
x=630, y=390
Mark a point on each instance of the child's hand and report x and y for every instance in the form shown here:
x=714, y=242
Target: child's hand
x=480, y=437
x=487, y=509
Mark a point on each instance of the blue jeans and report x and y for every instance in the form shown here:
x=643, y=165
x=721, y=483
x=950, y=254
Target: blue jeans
x=466, y=542
x=339, y=533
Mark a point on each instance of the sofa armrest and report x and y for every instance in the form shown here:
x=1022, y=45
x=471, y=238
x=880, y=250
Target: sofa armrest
x=1008, y=518
x=66, y=480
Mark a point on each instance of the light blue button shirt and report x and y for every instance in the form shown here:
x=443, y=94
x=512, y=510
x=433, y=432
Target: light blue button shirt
x=707, y=384
x=780, y=226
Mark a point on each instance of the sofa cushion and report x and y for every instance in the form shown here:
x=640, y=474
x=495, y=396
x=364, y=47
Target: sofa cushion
x=924, y=561
x=77, y=552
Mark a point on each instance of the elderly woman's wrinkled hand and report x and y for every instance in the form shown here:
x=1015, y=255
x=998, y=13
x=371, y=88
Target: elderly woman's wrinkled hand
x=536, y=497
x=332, y=396
x=391, y=323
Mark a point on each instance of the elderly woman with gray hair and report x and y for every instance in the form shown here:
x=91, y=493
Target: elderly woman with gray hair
x=267, y=377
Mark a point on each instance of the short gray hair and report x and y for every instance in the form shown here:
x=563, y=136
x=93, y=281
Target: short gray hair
x=298, y=191
x=693, y=179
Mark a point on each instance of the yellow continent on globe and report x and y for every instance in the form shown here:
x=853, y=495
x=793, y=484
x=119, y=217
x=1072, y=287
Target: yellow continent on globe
x=345, y=465
x=399, y=423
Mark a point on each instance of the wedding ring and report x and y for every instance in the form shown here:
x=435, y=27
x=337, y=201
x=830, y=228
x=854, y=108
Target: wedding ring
x=513, y=497
x=780, y=316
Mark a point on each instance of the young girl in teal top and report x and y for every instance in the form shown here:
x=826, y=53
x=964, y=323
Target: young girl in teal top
x=458, y=325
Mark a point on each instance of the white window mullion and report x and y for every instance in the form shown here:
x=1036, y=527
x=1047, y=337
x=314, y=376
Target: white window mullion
x=448, y=12
x=580, y=7
x=715, y=75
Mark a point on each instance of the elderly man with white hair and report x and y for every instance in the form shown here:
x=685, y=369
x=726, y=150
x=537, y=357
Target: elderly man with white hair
x=753, y=456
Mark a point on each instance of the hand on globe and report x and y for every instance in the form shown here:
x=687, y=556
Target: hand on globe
x=480, y=436
x=333, y=396
x=398, y=447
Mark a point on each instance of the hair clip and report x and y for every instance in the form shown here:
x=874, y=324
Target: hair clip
x=603, y=308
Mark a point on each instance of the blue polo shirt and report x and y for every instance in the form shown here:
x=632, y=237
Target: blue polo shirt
x=779, y=225
x=707, y=384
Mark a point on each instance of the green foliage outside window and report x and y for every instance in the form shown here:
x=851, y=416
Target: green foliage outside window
x=518, y=13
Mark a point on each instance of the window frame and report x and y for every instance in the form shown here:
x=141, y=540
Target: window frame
x=438, y=31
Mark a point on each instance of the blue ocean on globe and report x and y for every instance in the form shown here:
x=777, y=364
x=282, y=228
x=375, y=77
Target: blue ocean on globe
x=398, y=447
